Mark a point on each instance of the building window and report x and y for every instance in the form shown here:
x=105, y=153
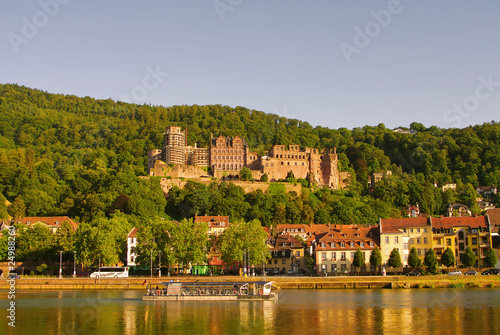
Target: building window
x=334, y=267
x=474, y=241
x=448, y=241
x=353, y=244
x=275, y=261
x=297, y=253
x=333, y=244
x=425, y=230
x=352, y=255
x=396, y=239
x=323, y=256
x=371, y=244
x=323, y=244
x=342, y=244
x=418, y=230
x=362, y=244
x=405, y=246
x=334, y=255
x=404, y=230
x=418, y=240
x=343, y=267
x=411, y=230
x=387, y=240
x=342, y=256
x=283, y=261
x=419, y=252
x=283, y=253
x=425, y=240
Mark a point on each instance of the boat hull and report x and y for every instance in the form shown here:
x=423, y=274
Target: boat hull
x=270, y=297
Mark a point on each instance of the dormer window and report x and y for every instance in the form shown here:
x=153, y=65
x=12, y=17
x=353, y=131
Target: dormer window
x=342, y=244
x=352, y=244
x=323, y=244
x=291, y=244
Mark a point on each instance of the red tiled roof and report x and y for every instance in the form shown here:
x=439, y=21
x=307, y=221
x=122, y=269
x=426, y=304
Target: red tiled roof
x=494, y=216
x=468, y=221
x=350, y=233
x=133, y=232
x=51, y=221
x=393, y=225
x=213, y=221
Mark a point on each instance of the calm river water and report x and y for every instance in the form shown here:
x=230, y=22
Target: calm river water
x=378, y=311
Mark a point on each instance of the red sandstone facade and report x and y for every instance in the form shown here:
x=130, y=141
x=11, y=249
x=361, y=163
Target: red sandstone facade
x=228, y=155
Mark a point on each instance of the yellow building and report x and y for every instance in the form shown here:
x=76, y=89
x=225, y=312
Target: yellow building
x=404, y=234
x=458, y=233
x=287, y=254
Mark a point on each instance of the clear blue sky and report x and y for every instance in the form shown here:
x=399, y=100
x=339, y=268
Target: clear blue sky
x=286, y=57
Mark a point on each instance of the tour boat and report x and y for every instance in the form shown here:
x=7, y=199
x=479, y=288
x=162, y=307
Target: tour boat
x=211, y=291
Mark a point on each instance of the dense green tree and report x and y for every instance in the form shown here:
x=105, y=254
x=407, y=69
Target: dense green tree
x=413, y=260
x=3, y=208
x=359, y=259
x=469, y=258
x=244, y=236
x=448, y=258
x=490, y=258
x=245, y=174
x=394, y=259
x=376, y=258
x=430, y=261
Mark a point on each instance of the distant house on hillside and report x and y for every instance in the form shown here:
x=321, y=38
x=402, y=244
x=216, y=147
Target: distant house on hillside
x=52, y=222
x=486, y=191
x=456, y=209
x=449, y=186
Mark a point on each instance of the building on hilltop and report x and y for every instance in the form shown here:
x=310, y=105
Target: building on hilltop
x=228, y=155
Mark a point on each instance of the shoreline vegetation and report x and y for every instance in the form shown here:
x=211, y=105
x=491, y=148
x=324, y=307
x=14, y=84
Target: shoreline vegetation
x=391, y=282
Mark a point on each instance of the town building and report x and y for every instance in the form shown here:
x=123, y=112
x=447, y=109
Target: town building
x=131, y=244
x=458, y=233
x=52, y=222
x=287, y=254
x=336, y=248
x=216, y=224
x=402, y=235
x=456, y=209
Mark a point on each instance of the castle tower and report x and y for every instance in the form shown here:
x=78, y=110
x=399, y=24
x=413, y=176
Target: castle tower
x=174, y=146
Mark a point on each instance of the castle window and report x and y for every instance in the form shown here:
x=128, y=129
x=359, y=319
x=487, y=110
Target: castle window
x=281, y=163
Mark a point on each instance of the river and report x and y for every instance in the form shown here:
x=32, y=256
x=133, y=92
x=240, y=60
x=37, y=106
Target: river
x=376, y=311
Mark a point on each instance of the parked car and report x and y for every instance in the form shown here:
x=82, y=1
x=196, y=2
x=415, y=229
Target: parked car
x=491, y=272
x=413, y=273
x=471, y=273
x=455, y=273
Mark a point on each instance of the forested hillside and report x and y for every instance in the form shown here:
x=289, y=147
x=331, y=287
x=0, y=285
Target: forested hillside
x=81, y=157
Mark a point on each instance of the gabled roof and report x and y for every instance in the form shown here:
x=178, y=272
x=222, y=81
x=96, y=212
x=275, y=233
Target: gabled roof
x=464, y=221
x=393, y=225
x=51, y=221
x=284, y=242
x=133, y=233
x=494, y=216
x=349, y=233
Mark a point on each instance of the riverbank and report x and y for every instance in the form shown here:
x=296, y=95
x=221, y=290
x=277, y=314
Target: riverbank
x=138, y=283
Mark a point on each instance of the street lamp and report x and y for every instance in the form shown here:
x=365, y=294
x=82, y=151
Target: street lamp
x=74, y=264
x=60, y=264
x=159, y=264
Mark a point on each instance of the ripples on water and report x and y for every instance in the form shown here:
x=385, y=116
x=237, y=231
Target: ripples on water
x=379, y=311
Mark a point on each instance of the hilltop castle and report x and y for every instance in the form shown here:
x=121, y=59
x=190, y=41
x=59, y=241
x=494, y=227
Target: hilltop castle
x=228, y=155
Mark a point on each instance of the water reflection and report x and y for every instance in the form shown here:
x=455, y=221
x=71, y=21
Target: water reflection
x=433, y=311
